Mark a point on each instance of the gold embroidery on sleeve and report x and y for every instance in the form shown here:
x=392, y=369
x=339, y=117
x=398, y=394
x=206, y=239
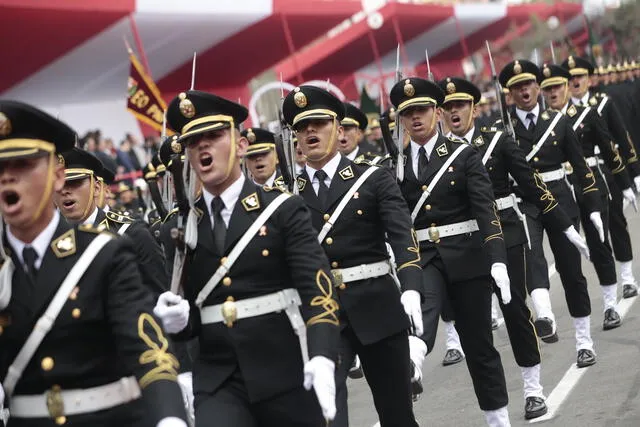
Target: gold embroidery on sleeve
x=166, y=364
x=414, y=249
x=632, y=150
x=546, y=196
x=592, y=186
x=325, y=301
x=495, y=223
x=617, y=160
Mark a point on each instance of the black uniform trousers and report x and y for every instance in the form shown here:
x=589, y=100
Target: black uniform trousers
x=568, y=265
x=385, y=364
x=470, y=303
x=620, y=239
x=229, y=406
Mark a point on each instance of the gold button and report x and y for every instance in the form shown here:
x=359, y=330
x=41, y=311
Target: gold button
x=555, y=142
x=334, y=264
x=75, y=313
x=424, y=188
x=490, y=168
x=453, y=182
x=427, y=207
x=223, y=260
x=61, y=420
x=359, y=212
x=535, y=159
x=343, y=286
x=226, y=281
x=265, y=252
x=326, y=217
x=329, y=241
x=47, y=364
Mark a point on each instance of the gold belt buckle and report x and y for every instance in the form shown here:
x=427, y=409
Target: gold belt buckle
x=434, y=234
x=55, y=403
x=337, y=277
x=229, y=312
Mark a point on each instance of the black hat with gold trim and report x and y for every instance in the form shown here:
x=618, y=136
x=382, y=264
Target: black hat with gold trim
x=415, y=91
x=260, y=141
x=107, y=175
x=169, y=148
x=27, y=132
x=457, y=89
x=80, y=164
x=194, y=112
x=354, y=117
x=553, y=75
x=578, y=66
x=311, y=102
x=518, y=71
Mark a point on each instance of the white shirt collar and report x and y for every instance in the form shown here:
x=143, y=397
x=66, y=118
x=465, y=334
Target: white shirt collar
x=229, y=197
x=330, y=168
x=581, y=101
x=106, y=208
x=92, y=218
x=564, y=109
x=40, y=243
x=467, y=136
x=269, y=181
x=352, y=155
x=428, y=147
x=522, y=114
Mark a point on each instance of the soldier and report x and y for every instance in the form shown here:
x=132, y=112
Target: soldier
x=547, y=138
x=253, y=265
x=261, y=157
x=503, y=158
x=580, y=69
x=352, y=206
x=104, y=196
x=60, y=367
x=452, y=206
x=354, y=125
x=596, y=145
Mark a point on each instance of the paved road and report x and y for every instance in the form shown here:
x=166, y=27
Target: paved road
x=606, y=394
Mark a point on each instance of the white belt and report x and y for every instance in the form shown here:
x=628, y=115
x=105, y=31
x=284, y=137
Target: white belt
x=361, y=272
x=434, y=233
x=592, y=162
x=506, y=202
x=554, y=175
x=58, y=403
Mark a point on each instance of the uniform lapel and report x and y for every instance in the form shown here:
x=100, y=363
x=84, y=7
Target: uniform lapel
x=205, y=228
x=101, y=220
x=408, y=165
x=342, y=180
x=244, y=213
x=307, y=192
x=437, y=157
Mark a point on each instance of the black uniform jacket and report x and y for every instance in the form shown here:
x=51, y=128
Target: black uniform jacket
x=375, y=213
x=104, y=332
x=463, y=193
x=508, y=160
x=148, y=252
x=283, y=254
x=561, y=146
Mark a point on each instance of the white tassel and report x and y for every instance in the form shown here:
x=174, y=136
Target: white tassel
x=6, y=275
x=191, y=227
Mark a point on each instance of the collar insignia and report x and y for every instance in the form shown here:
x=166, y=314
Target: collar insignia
x=301, y=183
x=593, y=101
x=346, y=173
x=478, y=141
x=442, y=150
x=251, y=202
x=545, y=116
x=64, y=245
x=572, y=111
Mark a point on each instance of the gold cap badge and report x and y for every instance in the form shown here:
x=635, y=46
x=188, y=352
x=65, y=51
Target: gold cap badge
x=186, y=106
x=571, y=62
x=517, y=68
x=546, y=71
x=451, y=87
x=392, y=114
x=299, y=98
x=251, y=137
x=409, y=90
x=5, y=125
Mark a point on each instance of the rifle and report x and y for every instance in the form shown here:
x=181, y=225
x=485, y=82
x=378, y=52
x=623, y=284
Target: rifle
x=500, y=97
x=399, y=128
x=387, y=137
x=288, y=148
x=289, y=180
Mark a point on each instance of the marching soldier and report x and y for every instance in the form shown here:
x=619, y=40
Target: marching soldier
x=254, y=265
x=451, y=201
x=503, y=158
x=547, y=138
x=261, y=157
x=60, y=367
x=105, y=196
x=580, y=69
x=354, y=124
x=352, y=206
x=596, y=144
x=76, y=202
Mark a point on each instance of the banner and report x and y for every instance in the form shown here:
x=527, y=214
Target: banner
x=143, y=97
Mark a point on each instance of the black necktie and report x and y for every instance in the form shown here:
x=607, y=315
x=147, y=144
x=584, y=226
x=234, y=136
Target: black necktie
x=323, y=190
x=219, y=227
x=30, y=256
x=532, y=124
x=422, y=164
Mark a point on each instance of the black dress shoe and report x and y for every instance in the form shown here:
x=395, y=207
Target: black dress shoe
x=534, y=407
x=629, y=291
x=586, y=358
x=611, y=319
x=544, y=329
x=416, y=384
x=451, y=357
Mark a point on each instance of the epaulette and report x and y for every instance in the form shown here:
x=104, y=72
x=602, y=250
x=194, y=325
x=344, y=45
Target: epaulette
x=488, y=129
x=280, y=188
x=88, y=228
x=360, y=160
x=119, y=217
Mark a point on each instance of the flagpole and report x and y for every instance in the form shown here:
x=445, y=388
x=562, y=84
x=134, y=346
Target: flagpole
x=139, y=45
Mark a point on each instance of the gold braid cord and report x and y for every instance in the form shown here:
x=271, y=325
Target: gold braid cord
x=591, y=187
x=413, y=249
x=325, y=301
x=616, y=159
x=166, y=365
x=632, y=150
x=495, y=223
x=546, y=195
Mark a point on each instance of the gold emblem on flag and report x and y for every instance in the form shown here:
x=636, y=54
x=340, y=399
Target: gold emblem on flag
x=5, y=125
x=409, y=90
x=187, y=109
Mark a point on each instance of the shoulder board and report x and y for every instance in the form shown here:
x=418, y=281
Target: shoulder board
x=279, y=188
x=88, y=228
x=491, y=129
x=64, y=245
x=360, y=160
x=119, y=217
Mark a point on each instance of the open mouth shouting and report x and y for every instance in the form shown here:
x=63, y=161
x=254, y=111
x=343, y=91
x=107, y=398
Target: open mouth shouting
x=417, y=126
x=68, y=205
x=10, y=200
x=456, y=120
x=206, y=160
x=312, y=141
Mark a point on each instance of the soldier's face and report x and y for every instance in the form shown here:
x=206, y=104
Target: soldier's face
x=525, y=94
x=350, y=138
x=262, y=166
x=301, y=159
x=594, y=81
x=209, y=156
x=579, y=85
x=555, y=96
x=23, y=184
x=459, y=115
x=420, y=122
x=75, y=199
x=316, y=138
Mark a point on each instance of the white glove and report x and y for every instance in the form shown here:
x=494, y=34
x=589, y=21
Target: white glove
x=596, y=219
x=577, y=240
x=319, y=372
x=411, y=302
x=185, y=380
x=171, y=422
x=636, y=180
x=630, y=196
x=4, y=412
x=501, y=277
x=173, y=311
